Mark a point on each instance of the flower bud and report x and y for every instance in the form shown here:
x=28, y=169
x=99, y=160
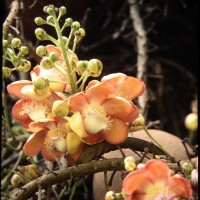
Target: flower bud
x=45, y=9
x=30, y=171
x=62, y=10
x=129, y=163
x=68, y=21
x=187, y=169
x=95, y=67
x=41, y=34
x=60, y=144
x=39, y=21
x=129, y=159
x=16, y=42
x=53, y=56
x=110, y=195
x=41, y=50
x=191, y=121
x=81, y=66
x=10, y=36
x=138, y=123
x=75, y=26
x=46, y=63
x=5, y=43
x=24, y=50
x=50, y=9
x=140, y=166
x=17, y=181
x=79, y=35
x=25, y=66
x=60, y=108
x=50, y=19
x=40, y=83
x=6, y=72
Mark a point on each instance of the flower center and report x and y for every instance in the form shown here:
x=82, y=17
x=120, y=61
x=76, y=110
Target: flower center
x=55, y=142
x=95, y=118
x=159, y=191
x=35, y=109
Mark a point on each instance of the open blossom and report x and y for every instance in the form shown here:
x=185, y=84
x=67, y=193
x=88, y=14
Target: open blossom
x=54, y=139
x=153, y=182
x=101, y=115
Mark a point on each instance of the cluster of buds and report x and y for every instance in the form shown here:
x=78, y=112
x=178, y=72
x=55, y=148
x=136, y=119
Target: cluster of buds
x=129, y=163
x=15, y=53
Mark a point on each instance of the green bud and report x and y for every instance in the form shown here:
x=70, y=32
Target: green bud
x=75, y=25
x=41, y=34
x=50, y=10
x=62, y=10
x=53, y=56
x=25, y=66
x=46, y=63
x=79, y=35
x=10, y=36
x=41, y=50
x=24, y=50
x=68, y=21
x=40, y=83
x=6, y=72
x=16, y=42
x=45, y=9
x=187, y=169
x=50, y=19
x=39, y=21
x=60, y=108
x=5, y=43
x=81, y=67
x=95, y=67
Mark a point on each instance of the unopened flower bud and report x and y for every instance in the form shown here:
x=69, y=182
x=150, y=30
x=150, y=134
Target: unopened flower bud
x=25, y=66
x=140, y=166
x=95, y=67
x=53, y=56
x=191, y=121
x=30, y=171
x=16, y=42
x=45, y=9
x=68, y=21
x=110, y=195
x=41, y=34
x=50, y=9
x=62, y=10
x=50, y=19
x=10, y=36
x=81, y=66
x=46, y=63
x=138, y=123
x=40, y=83
x=129, y=163
x=6, y=72
x=39, y=21
x=17, y=181
x=60, y=108
x=41, y=50
x=75, y=26
x=60, y=144
x=129, y=159
x=24, y=50
x=79, y=34
x=5, y=43
x=187, y=169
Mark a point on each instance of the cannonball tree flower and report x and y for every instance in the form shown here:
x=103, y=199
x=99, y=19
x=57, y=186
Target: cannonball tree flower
x=154, y=182
x=27, y=111
x=99, y=115
x=124, y=86
x=54, y=139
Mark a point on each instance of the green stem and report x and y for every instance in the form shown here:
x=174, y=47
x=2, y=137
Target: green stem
x=73, y=190
x=6, y=113
x=166, y=152
x=62, y=46
x=81, y=88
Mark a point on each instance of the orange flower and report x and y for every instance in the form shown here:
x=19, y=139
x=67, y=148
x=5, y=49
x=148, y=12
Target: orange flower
x=154, y=182
x=53, y=140
x=124, y=86
x=27, y=111
x=100, y=115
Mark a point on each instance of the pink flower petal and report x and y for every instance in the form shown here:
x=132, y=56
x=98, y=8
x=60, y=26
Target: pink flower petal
x=118, y=132
x=35, y=143
x=180, y=186
x=16, y=87
x=52, y=48
x=92, y=83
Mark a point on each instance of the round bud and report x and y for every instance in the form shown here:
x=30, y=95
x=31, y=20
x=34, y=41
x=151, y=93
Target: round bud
x=17, y=181
x=24, y=50
x=110, y=195
x=140, y=166
x=25, y=66
x=75, y=25
x=50, y=19
x=138, y=123
x=10, y=36
x=95, y=67
x=41, y=34
x=41, y=50
x=62, y=10
x=6, y=72
x=81, y=66
x=60, y=108
x=40, y=83
x=53, y=56
x=45, y=9
x=187, y=168
x=130, y=166
x=50, y=10
x=39, y=21
x=129, y=159
x=16, y=42
x=191, y=121
x=30, y=171
x=5, y=43
x=80, y=33
x=68, y=21
x=46, y=63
